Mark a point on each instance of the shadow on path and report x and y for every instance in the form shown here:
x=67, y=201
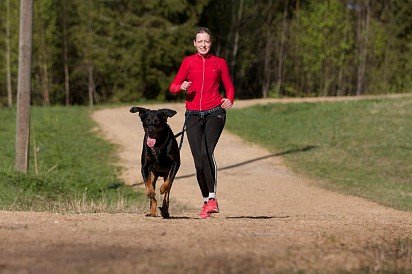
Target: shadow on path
x=257, y=217
x=289, y=151
x=304, y=149
x=232, y=217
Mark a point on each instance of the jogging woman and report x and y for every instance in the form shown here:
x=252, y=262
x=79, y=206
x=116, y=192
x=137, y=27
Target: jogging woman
x=199, y=76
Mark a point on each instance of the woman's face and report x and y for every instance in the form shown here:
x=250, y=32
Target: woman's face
x=203, y=43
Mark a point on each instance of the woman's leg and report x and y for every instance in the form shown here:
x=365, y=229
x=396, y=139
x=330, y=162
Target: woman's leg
x=195, y=135
x=214, y=125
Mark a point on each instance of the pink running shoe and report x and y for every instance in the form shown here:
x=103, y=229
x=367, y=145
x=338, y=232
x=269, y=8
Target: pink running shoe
x=204, y=214
x=212, y=206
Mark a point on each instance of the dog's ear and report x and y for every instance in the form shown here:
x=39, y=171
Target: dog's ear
x=167, y=112
x=138, y=109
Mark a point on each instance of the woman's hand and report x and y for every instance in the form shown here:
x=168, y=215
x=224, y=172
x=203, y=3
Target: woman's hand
x=185, y=85
x=226, y=103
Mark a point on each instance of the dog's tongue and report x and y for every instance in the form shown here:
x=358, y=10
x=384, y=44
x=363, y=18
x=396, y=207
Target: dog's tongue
x=150, y=142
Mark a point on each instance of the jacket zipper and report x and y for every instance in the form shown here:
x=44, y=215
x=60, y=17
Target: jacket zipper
x=203, y=81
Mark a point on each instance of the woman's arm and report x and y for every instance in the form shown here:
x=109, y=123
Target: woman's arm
x=228, y=84
x=175, y=86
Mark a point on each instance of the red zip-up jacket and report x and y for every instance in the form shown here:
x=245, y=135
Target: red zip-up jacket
x=205, y=73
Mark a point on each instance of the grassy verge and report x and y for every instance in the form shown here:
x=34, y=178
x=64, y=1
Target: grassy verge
x=71, y=168
x=361, y=148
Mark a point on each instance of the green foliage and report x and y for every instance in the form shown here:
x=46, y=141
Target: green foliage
x=45, y=50
x=361, y=148
x=14, y=44
x=134, y=48
x=324, y=39
x=67, y=160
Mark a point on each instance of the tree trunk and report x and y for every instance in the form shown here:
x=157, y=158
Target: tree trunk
x=218, y=48
x=339, y=91
x=363, y=32
x=327, y=81
x=366, y=39
x=90, y=66
x=45, y=83
x=8, y=57
x=66, y=56
x=43, y=67
x=231, y=30
x=282, y=48
x=298, y=73
x=341, y=83
x=385, y=68
x=236, y=39
x=91, y=83
x=23, y=86
x=268, y=53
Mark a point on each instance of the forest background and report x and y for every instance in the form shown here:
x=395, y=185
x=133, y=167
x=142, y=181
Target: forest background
x=111, y=51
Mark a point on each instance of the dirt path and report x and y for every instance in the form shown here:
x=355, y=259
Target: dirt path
x=272, y=220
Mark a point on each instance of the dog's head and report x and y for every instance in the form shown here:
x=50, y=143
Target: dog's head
x=154, y=123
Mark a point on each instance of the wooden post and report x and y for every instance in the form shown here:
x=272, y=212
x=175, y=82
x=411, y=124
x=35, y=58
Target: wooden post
x=24, y=86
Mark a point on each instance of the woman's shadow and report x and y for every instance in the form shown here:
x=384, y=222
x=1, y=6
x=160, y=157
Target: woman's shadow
x=289, y=151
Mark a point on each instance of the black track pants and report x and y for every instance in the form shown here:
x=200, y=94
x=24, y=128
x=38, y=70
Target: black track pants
x=204, y=130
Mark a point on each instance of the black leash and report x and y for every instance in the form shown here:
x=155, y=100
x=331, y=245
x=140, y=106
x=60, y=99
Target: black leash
x=186, y=129
x=183, y=131
x=203, y=115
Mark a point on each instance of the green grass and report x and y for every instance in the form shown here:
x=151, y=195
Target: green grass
x=361, y=148
x=72, y=168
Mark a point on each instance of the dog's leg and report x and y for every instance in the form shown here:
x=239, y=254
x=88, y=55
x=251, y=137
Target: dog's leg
x=151, y=194
x=167, y=185
x=164, y=210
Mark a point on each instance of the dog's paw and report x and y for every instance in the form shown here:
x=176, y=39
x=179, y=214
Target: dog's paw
x=150, y=214
x=164, y=212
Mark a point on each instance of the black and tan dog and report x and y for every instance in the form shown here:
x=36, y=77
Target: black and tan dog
x=160, y=155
